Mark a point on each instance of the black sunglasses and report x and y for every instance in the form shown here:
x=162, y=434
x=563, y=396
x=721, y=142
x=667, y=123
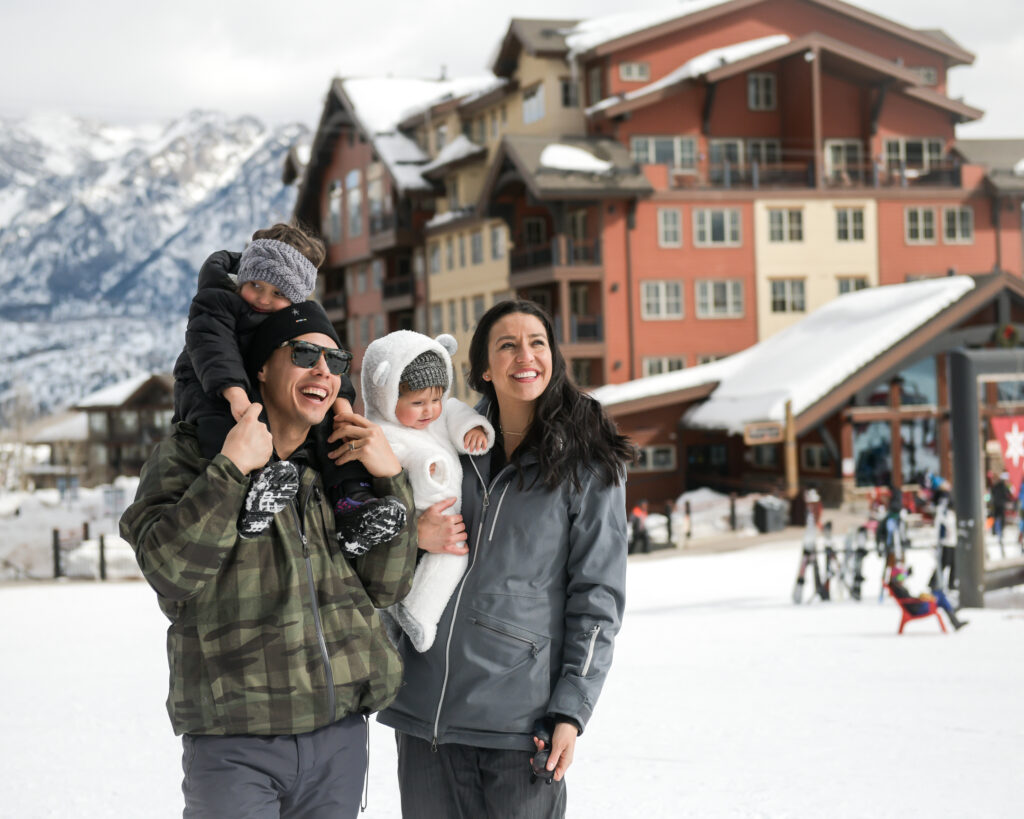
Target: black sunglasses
x=306, y=354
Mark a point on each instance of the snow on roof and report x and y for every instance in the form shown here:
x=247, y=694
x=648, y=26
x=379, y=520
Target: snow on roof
x=589, y=34
x=68, y=426
x=404, y=160
x=571, y=158
x=114, y=395
x=654, y=385
x=459, y=148
x=810, y=358
x=448, y=216
x=701, y=64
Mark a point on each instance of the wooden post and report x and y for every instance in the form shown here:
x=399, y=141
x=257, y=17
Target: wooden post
x=85, y=530
x=57, y=572
x=103, y=558
x=792, y=478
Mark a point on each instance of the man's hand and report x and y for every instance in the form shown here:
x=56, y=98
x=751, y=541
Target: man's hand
x=475, y=441
x=363, y=441
x=249, y=445
x=239, y=401
x=440, y=533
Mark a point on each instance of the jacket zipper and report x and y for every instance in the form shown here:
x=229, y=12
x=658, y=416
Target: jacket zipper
x=462, y=586
x=534, y=648
x=321, y=641
x=590, y=650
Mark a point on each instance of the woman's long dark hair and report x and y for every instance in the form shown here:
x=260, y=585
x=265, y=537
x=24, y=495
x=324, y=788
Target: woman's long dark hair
x=570, y=429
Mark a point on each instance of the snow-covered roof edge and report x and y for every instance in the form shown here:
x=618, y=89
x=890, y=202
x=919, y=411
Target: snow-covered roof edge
x=115, y=394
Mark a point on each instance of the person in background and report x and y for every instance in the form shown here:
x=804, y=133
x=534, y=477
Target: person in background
x=897, y=581
x=525, y=643
x=1001, y=495
x=638, y=521
x=275, y=648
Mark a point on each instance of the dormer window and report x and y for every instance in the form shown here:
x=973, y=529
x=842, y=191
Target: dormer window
x=634, y=72
x=761, y=91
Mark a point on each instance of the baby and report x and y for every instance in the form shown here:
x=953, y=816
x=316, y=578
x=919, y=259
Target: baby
x=212, y=389
x=406, y=381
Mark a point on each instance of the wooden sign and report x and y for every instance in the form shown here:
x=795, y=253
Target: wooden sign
x=763, y=432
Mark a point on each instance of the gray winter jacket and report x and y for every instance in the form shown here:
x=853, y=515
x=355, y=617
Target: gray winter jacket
x=529, y=630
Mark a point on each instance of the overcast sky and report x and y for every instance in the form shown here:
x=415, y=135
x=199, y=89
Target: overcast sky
x=126, y=61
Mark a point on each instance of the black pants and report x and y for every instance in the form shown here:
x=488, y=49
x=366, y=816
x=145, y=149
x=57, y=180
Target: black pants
x=318, y=775
x=464, y=782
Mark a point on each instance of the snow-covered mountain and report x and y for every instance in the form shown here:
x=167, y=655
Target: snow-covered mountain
x=102, y=231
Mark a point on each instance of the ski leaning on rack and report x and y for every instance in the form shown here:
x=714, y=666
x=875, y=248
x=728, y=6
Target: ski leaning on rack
x=809, y=557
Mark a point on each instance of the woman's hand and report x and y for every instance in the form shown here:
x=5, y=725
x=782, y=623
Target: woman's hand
x=364, y=442
x=563, y=746
x=440, y=533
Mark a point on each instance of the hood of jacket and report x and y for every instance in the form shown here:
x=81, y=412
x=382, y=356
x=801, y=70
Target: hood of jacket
x=387, y=357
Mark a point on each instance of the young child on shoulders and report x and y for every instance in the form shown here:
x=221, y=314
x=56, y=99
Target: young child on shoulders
x=212, y=390
x=406, y=381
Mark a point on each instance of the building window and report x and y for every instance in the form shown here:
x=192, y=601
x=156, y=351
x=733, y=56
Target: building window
x=451, y=192
x=380, y=328
x=917, y=154
x=788, y=296
x=476, y=246
x=958, y=225
x=478, y=308
x=497, y=242
x=465, y=315
x=570, y=93
x=481, y=129
x=662, y=300
x=763, y=151
x=533, y=104
x=535, y=231
x=765, y=456
x=417, y=265
x=452, y=325
x=436, y=317
x=449, y=253
x=851, y=284
x=720, y=298
x=676, y=152
x=716, y=226
x=655, y=459
x=707, y=358
x=361, y=280
x=364, y=331
x=634, y=72
x=462, y=250
x=919, y=226
x=354, y=203
x=377, y=272
x=815, y=457
x=850, y=224
x=494, y=124
x=334, y=210
x=655, y=365
x=670, y=227
x=760, y=91
x=440, y=137
x=785, y=225
x=843, y=162
x=594, y=85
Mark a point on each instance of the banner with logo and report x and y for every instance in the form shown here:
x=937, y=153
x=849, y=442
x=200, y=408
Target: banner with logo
x=1009, y=432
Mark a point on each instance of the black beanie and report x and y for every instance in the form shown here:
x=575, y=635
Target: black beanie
x=284, y=325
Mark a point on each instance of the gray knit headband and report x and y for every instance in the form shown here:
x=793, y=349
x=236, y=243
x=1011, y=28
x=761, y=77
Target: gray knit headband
x=280, y=265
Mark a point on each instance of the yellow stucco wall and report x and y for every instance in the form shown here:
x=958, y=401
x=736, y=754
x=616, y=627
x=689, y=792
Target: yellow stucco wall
x=820, y=259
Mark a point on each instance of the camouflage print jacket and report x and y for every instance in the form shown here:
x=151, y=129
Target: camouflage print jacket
x=272, y=635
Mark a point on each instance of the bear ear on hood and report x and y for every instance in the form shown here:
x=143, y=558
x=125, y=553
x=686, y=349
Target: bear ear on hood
x=448, y=342
x=380, y=375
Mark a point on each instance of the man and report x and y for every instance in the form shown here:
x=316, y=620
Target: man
x=275, y=648
x=638, y=519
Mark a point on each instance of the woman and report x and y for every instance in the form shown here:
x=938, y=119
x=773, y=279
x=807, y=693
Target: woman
x=527, y=637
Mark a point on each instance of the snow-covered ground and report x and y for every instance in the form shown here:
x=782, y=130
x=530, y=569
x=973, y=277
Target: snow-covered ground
x=725, y=700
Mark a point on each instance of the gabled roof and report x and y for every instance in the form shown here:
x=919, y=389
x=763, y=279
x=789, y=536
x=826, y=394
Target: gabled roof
x=535, y=37
x=601, y=36
x=721, y=63
x=820, y=362
x=65, y=427
x=457, y=152
x=1003, y=159
x=611, y=172
x=117, y=395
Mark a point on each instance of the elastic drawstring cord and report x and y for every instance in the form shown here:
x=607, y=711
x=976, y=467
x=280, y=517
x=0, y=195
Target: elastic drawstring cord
x=366, y=775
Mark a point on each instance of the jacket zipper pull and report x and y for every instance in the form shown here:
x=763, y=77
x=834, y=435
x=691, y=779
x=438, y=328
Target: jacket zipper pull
x=305, y=544
x=433, y=745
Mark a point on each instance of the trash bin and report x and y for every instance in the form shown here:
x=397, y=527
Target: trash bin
x=770, y=514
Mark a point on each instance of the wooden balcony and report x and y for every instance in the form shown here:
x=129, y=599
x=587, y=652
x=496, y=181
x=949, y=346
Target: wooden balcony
x=560, y=258
x=390, y=230
x=398, y=293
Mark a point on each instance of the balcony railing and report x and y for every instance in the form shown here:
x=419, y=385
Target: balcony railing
x=556, y=253
x=582, y=329
x=397, y=286
x=796, y=170
x=381, y=222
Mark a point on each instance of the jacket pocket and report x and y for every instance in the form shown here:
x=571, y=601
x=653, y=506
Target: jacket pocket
x=512, y=682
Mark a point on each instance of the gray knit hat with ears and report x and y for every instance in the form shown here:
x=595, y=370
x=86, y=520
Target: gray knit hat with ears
x=426, y=370
x=280, y=265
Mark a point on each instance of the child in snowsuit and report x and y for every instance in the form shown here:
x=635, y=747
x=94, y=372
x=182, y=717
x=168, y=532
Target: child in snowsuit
x=897, y=581
x=407, y=379
x=212, y=388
